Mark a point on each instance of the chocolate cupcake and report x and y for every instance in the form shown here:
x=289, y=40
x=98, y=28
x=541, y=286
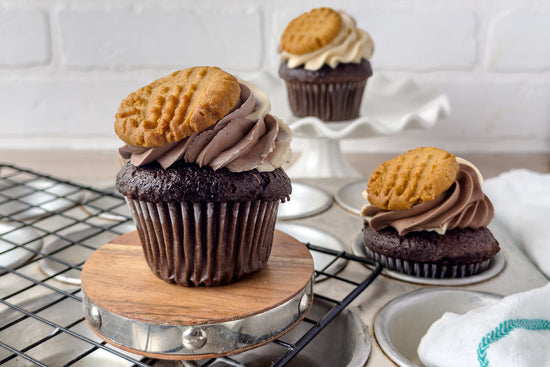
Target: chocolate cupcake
x=325, y=64
x=428, y=216
x=204, y=176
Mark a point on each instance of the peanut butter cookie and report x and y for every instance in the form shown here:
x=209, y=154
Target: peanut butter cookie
x=174, y=107
x=311, y=31
x=418, y=176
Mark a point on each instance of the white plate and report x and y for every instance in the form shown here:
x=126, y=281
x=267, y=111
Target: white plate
x=495, y=267
x=319, y=238
x=11, y=235
x=37, y=198
x=350, y=196
x=305, y=201
x=400, y=324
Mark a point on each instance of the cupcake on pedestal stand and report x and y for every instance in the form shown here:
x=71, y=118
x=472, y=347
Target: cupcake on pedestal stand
x=325, y=65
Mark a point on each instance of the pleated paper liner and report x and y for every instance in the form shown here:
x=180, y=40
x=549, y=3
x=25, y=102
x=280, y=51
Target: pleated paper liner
x=210, y=244
x=328, y=101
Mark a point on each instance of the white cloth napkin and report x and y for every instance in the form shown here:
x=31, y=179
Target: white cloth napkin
x=512, y=332
x=522, y=203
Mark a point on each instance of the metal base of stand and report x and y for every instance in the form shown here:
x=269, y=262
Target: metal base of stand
x=130, y=308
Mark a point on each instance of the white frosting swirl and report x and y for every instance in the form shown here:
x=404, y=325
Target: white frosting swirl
x=245, y=139
x=350, y=46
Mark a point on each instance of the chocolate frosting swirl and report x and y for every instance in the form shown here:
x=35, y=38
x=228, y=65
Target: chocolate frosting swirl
x=462, y=205
x=247, y=138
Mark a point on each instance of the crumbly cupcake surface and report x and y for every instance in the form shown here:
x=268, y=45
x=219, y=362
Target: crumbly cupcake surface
x=343, y=73
x=428, y=246
x=151, y=184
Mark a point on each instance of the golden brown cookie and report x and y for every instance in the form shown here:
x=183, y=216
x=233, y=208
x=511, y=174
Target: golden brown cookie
x=408, y=179
x=311, y=31
x=174, y=107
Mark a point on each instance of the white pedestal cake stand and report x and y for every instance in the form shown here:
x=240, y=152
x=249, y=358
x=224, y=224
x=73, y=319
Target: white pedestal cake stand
x=389, y=107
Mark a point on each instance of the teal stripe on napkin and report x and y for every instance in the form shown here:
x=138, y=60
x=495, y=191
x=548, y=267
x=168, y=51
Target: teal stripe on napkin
x=503, y=329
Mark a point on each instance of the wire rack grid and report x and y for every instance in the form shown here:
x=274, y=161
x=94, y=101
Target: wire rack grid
x=48, y=228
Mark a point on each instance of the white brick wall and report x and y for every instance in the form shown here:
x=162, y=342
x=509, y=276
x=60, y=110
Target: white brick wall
x=24, y=38
x=153, y=38
x=519, y=41
x=423, y=40
x=66, y=64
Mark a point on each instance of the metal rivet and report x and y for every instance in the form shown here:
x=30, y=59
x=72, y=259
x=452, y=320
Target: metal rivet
x=95, y=317
x=304, y=303
x=194, y=338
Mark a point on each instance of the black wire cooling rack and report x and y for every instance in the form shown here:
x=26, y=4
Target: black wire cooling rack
x=48, y=228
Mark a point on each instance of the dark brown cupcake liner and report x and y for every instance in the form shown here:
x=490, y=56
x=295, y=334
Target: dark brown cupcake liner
x=210, y=244
x=328, y=101
x=427, y=269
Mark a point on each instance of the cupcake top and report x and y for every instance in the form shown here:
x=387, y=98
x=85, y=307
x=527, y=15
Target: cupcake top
x=202, y=115
x=426, y=189
x=324, y=36
x=186, y=182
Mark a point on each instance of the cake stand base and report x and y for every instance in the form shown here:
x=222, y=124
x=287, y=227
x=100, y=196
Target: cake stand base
x=129, y=307
x=322, y=158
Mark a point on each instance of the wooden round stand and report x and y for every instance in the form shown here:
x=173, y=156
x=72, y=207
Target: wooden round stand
x=129, y=307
